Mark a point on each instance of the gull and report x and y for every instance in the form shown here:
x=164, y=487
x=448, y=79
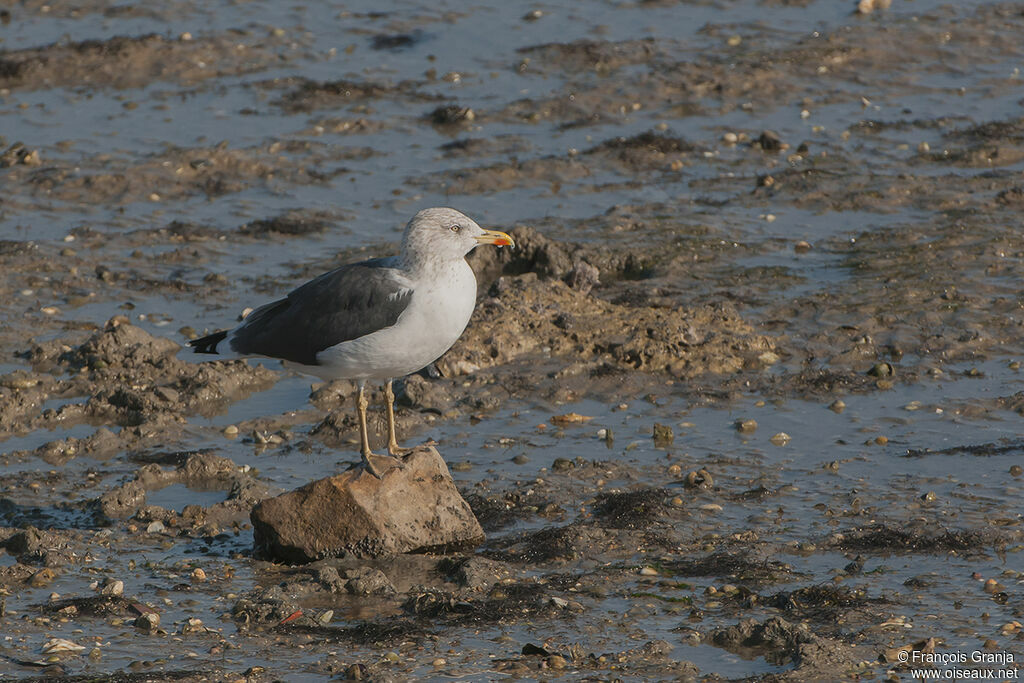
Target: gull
x=373, y=320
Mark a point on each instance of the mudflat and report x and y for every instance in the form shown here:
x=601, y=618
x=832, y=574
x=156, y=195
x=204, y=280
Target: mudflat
x=745, y=402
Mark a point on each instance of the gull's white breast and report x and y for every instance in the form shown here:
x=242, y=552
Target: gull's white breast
x=438, y=312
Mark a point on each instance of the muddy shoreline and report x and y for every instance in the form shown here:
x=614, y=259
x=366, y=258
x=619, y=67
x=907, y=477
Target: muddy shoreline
x=745, y=404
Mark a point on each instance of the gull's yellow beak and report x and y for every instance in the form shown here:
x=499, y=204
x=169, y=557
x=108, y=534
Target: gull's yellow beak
x=497, y=238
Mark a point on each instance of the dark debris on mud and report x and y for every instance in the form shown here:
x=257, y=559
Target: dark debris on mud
x=882, y=538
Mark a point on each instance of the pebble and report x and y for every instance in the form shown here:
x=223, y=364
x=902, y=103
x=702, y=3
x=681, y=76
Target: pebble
x=440, y=661
x=43, y=577
x=231, y=431
x=198, y=574
x=464, y=466
x=929, y=497
x=699, y=479
x=112, y=587
x=648, y=571
x=881, y=440
x=520, y=459
x=1010, y=628
x=155, y=527
x=869, y=6
x=675, y=470
x=746, y=426
x=557, y=662
x=192, y=625
x=149, y=621
x=54, y=645
x=802, y=247
x=730, y=138
x=780, y=439
x=881, y=370
x=1016, y=470
x=562, y=464
x=663, y=435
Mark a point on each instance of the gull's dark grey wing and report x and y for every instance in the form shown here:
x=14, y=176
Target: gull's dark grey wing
x=344, y=304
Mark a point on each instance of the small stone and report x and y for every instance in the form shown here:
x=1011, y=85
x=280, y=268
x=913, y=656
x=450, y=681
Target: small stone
x=562, y=465
x=231, y=431
x=699, y=479
x=198, y=574
x=837, y=406
x=881, y=370
x=112, y=587
x=769, y=141
x=746, y=426
x=802, y=247
x=56, y=645
x=648, y=571
x=192, y=625
x=780, y=439
x=675, y=470
x=929, y=497
x=155, y=527
x=520, y=459
x=663, y=435
x=1016, y=470
x=42, y=578
x=881, y=440
x=150, y=621
x=464, y=466
x=439, y=662
x=557, y=662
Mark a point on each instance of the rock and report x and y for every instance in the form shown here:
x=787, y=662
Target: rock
x=368, y=581
x=474, y=572
x=42, y=578
x=24, y=542
x=412, y=509
x=123, y=501
x=149, y=622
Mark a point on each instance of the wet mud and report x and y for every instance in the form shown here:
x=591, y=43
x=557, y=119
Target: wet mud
x=744, y=404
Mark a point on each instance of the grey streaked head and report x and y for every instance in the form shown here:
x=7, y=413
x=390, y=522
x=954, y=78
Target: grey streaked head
x=442, y=234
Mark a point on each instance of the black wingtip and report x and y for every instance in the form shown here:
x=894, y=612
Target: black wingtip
x=208, y=344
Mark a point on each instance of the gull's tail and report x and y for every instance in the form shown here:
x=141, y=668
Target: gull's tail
x=208, y=344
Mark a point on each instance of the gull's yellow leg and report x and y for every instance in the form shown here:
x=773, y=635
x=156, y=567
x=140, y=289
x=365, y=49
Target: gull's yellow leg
x=393, y=447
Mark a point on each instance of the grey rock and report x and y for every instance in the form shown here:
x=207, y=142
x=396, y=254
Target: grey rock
x=416, y=508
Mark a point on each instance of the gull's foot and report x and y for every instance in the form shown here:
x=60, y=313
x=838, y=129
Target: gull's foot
x=379, y=465
x=397, y=451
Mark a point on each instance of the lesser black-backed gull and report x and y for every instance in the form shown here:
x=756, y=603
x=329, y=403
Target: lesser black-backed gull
x=374, y=320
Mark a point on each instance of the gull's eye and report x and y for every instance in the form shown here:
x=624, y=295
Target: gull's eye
x=455, y=228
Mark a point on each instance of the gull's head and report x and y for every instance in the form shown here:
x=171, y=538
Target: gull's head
x=446, y=234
